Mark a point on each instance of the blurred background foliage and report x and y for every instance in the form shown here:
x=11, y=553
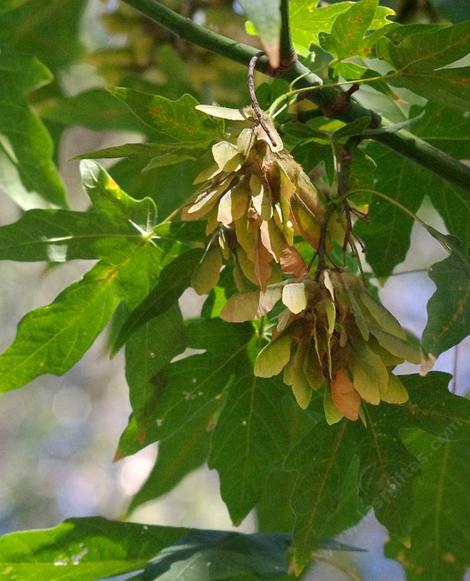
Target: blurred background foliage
x=58, y=436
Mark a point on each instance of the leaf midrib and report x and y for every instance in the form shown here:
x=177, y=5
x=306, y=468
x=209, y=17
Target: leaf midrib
x=58, y=240
x=323, y=480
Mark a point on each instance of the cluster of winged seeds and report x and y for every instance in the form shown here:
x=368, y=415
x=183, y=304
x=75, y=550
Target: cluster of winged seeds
x=255, y=199
x=332, y=333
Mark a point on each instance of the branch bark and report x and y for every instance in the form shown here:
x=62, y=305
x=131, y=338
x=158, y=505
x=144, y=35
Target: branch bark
x=332, y=101
x=288, y=54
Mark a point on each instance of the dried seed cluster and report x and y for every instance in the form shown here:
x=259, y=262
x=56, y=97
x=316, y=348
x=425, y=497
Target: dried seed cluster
x=255, y=199
x=335, y=333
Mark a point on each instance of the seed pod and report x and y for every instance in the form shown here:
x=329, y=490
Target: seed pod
x=330, y=343
x=207, y=274
x=207, y=174
x=232, y=205
x=294, y=297
x=201, y=204
x=395, y=391
x=247, y=235
x=382, y=317
x=369, y=374
x=212, y=222
x=327, y=308
x=333, y=332
x=260, y=197
x=359, y=317
x=398, y=347
x=271, y=238
x=335, y=232
x=261, y=194
x=292, y=262
x=332, y=414
x=262, y=263
x=312, y=369
x=305, y=223
x=388, y=359
x=345, y=398
x=272, y=359
x=294, y=375
x=238, y=279
x=246, y=265
x=245, y=141
x=227, y=156
x=249, y=306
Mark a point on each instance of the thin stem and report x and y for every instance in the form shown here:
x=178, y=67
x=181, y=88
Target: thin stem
x=286, y=96
x=396, y=203
x=312, y=260
x=278, y=112
x=318, y=85
x=295, y=81
x=254, y=100
x=439, y=236
x=333, y=102
x=414, y=271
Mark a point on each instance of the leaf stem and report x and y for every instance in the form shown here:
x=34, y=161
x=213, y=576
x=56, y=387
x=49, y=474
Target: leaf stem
x=317, y=86
x=333, y=102
x=432, y=231
x=396, y=203
x=402, y=273
x=286, y=96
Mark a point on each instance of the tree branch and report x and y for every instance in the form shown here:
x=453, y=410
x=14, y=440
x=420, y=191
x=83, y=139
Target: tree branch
x=332, y=101
x=428, y=156
x=191, y=32
x=288, y=54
